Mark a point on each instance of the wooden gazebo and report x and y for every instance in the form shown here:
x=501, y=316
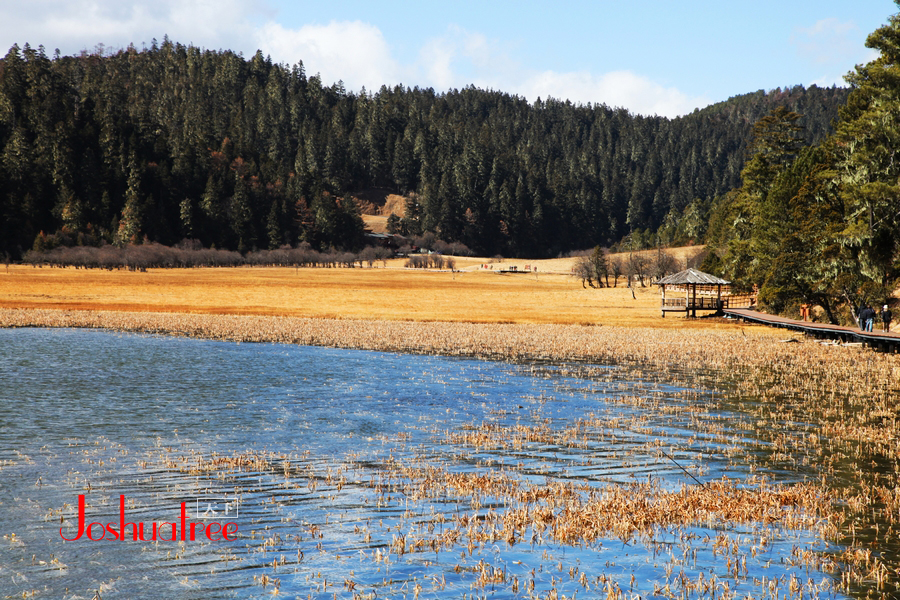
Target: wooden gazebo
x=692, y=290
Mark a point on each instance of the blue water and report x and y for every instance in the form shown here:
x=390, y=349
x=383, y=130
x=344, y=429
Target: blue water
x=105, y=414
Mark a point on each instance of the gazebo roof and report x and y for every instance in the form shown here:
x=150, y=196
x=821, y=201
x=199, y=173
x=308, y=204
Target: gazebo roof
x=689, y=276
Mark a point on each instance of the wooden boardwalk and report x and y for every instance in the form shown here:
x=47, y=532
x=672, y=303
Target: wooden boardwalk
x=876, y=339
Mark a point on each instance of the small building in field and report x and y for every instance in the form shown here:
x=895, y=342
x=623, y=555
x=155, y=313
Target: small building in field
x=692, y=290
x=386, y=240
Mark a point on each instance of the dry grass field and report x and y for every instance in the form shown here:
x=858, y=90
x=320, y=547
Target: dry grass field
x=375, y=223
x=473, y=294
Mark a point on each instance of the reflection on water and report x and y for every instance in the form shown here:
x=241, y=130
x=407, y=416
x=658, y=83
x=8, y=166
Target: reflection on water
x=323, y=450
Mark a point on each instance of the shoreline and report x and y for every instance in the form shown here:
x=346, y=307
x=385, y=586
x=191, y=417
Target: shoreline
x=494, y=341
x=751, y=355
x=848, y=379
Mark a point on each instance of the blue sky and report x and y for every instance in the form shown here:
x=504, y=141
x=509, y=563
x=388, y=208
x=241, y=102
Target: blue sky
x=650, y=57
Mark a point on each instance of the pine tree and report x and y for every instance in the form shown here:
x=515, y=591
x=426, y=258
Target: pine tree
x=241, y=215
x=867, y=143
x=131, y=222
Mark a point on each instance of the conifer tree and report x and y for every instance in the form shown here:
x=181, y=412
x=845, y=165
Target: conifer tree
x=867, y=148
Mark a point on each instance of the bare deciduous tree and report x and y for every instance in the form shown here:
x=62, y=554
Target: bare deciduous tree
x=638, y=266
x=664, y=264
x=584, y=271
x=616, y=269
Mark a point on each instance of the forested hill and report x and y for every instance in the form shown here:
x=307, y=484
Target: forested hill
x=176, y=142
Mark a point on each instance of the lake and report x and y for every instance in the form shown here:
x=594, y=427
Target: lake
x=367, y=474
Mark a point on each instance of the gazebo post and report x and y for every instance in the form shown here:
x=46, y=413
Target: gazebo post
x=694, y=300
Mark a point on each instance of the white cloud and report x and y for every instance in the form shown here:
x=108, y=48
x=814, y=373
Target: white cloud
x=436, y=62
x=616, y=89
x=353, y=51
x=460, y=58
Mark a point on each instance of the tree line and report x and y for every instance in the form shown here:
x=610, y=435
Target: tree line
x=175, y=142
x=596, y=267
x=424, y=251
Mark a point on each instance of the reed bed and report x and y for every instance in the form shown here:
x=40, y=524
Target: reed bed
x=465, y=521
x=552, y=342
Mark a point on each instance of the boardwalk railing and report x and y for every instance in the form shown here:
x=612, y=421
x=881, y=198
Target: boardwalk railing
x=700, y=303
x=680, y=303
x=739, y=301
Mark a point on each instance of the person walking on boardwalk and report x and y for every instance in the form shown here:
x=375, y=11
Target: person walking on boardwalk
x=870, y=317
x=866, y=317
x=886, y=317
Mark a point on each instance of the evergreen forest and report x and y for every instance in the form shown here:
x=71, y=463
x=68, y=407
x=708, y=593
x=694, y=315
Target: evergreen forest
x=173, y=142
